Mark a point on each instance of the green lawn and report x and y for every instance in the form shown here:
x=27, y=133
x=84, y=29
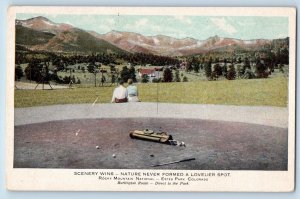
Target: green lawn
x=269, y=92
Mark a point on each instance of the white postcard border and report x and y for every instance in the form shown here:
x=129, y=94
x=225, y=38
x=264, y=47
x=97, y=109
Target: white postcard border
x=64, y=179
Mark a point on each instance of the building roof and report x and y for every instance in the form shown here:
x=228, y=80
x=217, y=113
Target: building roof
x=146, y=71
x=159, y=68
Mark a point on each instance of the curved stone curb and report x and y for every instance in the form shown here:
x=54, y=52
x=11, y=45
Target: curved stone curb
x=263, y=115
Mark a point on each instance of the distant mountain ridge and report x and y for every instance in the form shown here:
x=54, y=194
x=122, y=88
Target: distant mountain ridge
x=64, y=37
x=44, y=35
x=165, y=45
x=44, y=25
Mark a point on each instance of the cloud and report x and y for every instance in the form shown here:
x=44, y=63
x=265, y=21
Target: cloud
x=142, y=22
x=281, y=35
x=246, y=23
x=156, y=28
x=183, y=19
x=110, y=22
x=223, y=25
x=105, y=25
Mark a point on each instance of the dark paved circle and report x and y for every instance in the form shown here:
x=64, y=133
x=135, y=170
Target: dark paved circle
x=216, y=145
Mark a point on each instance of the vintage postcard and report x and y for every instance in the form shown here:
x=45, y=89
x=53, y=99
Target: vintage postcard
x=150, y=99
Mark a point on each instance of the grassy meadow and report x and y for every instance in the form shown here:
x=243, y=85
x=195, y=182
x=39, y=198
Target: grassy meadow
x=253, y=92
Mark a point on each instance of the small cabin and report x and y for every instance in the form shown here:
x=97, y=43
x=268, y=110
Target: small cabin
x=152, y=73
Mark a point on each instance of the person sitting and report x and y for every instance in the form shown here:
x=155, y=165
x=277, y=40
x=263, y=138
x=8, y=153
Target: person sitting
x=120, y=94
x=132, y=92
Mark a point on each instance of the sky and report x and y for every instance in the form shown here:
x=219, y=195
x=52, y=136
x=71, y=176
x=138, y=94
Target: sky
x=179, y=26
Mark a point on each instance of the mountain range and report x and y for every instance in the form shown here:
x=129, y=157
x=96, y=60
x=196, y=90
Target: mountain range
x=40, y=33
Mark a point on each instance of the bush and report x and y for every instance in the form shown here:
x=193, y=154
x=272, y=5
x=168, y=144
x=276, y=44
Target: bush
x=66, y=80
x=56, y=78
x=185, y=79
x=281, y=68
x=145, y=78
x=261, y=70
x=156, y=80
x=248, y=74
x=73, y=79
x=177, y=78
x=18, y=73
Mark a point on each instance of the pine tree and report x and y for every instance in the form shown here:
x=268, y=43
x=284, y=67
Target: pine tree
x=92, y=68
x=217, y=60
x=231, y=74
x=239, y=60
x=33, y=70
x=113, y=78
x=177, y=78
x=188, y=67
x=246, y=65
x=239, y=71
x=201, y=66
x=207, y=69
x=125, y=74
x=132, y=73
x=196, y=68
x=46, y=74
x=285, y=56
x=167, y=75
x=224, y=68
x=217, y=71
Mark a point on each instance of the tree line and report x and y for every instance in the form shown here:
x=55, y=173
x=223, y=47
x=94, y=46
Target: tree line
x=240, y=64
